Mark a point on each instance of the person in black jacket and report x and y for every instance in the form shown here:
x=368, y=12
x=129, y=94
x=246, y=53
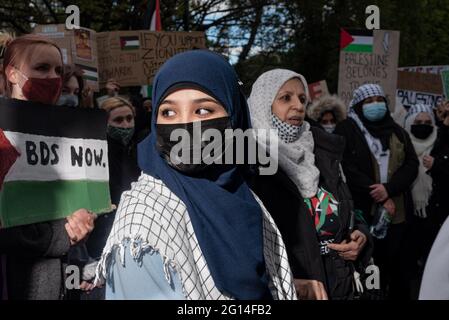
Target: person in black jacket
x=307, y=197
x=435, y=284
x=437, y=164
x=380, y=165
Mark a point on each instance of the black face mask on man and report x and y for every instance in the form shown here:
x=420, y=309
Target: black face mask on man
x=189, y=147
x=421, y=131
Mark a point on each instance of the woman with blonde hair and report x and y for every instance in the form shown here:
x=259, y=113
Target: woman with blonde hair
x=32, y=68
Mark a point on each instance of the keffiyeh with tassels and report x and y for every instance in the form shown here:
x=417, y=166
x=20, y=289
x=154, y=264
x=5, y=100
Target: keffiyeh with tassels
x=153, y=218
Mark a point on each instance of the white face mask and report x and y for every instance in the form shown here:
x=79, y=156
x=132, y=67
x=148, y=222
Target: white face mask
x=329, y=127
x=70, y=100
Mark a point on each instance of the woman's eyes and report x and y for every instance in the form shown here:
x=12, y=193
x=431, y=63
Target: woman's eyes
x=46, y=68
x=42, y=68
x=287, y=98
x=168, y=113
x=203, y=111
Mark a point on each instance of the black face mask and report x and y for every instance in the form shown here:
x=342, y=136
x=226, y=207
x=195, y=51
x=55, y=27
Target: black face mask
x=421, y=131
x=192, y=141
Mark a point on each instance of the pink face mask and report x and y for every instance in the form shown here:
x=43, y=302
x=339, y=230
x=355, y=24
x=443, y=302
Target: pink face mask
x=43, y=90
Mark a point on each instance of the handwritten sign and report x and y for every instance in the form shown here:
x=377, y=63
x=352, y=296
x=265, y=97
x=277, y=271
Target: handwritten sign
x=55, y=161
x=368, y=56
x=417, y=87
x=132, y=58
x=425, y=69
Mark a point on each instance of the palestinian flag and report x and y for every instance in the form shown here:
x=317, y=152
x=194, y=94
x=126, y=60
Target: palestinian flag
x=352, y=40
x=89, y=73
x=54, y=161
x=152, y=15
x=129, y=43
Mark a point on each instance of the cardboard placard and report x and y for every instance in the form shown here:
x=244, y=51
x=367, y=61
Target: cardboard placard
x=78, y=46
x=368, y=57
x=132, y=58
x=416, y=87
x=425, y=69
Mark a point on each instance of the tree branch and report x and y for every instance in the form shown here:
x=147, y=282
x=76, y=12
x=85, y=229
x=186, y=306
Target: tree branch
x=50, y=9
x=252, y=37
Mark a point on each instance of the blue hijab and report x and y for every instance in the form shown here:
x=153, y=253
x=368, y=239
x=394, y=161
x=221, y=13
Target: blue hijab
x=226, y=218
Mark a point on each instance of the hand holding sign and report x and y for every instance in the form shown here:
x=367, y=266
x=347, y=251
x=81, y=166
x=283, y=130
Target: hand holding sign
x=112, y=87
x=79, y=225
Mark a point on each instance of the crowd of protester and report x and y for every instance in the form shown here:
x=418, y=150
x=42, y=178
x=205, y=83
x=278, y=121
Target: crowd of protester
x=354, y=189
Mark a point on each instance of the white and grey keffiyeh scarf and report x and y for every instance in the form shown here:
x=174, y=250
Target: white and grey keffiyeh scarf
x=287, y=132
x=296, y=156
x=153, y=218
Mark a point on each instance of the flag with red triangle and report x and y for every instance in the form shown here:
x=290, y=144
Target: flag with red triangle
x=352, y=40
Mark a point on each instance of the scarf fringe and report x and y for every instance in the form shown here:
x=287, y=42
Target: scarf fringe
x=137, y=248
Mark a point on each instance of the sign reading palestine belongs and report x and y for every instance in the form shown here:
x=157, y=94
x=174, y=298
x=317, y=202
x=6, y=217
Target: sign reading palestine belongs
x=54, y=161
x=368, y=56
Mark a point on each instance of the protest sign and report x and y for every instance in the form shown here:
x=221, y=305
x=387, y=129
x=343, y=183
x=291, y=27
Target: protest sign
x=78, y=46
x=53, y=162
x=415, y=87
x=368, y=56
x=425, y=69
x=132, y=58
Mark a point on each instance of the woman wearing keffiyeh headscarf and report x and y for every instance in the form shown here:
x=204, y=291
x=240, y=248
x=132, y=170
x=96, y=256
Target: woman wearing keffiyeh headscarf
x=307, y=196
x=380, y=165
x=420, y=124
x=434, y=286
x=186, y=230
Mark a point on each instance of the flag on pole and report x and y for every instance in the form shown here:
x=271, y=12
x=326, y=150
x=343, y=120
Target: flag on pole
x=152, y=17
x=152, y=21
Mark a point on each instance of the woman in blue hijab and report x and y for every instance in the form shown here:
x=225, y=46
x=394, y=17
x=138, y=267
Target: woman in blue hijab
x=193, y=230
